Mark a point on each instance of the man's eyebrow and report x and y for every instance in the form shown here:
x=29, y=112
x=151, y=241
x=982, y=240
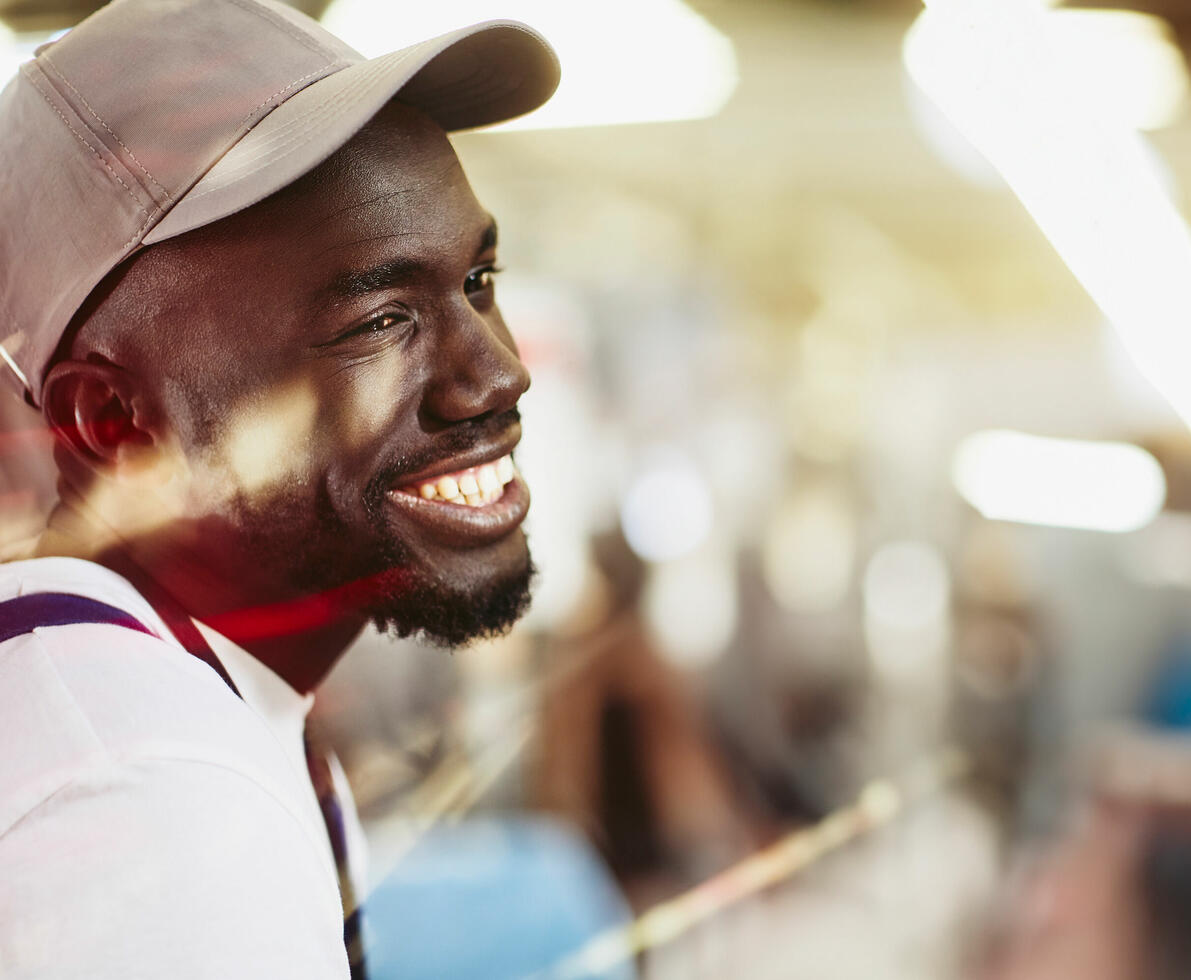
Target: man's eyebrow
x=396, y=272
x=488, y=239
x=387, y=275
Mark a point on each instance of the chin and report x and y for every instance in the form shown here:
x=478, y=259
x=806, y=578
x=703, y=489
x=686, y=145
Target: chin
x=406, y=603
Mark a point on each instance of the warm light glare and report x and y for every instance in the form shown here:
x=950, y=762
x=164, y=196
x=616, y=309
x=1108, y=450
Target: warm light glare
x=265, y=443
x=907, y=601
x=906, y=586
x=809, y=550
x=667, y=511
x=691, y=606
x=623, y=61
x=1098, y=486
x=998, y=73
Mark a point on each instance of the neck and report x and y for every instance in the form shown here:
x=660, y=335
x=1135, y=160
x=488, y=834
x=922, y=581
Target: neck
x=297, y=637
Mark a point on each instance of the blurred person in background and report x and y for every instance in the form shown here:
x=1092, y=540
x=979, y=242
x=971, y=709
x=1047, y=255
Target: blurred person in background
x=246, y=282
x=1110, y=900
x=623, y=750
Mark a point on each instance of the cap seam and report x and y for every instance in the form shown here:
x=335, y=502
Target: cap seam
x=207, y=165
x=284, y=26
x=132, y=156
x=79, y=136
x=282, y=141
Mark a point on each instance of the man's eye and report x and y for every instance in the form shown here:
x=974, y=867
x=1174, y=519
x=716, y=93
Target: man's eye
x=480, y=279
x=377, y=325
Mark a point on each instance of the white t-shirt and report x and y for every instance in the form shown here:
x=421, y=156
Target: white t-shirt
x=152, y=824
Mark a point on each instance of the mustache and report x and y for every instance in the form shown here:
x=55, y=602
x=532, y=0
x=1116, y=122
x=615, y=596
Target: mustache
x=458, y=439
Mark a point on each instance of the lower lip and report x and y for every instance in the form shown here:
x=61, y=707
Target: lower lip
x=462, y=525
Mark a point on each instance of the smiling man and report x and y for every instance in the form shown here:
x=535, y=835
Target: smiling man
x=246, y=281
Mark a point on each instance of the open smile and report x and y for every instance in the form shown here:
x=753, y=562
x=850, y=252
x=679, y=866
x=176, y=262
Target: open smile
x=474, y=505
x=475, y=486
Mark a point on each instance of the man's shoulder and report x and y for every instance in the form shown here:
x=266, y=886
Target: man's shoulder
x=84, y=698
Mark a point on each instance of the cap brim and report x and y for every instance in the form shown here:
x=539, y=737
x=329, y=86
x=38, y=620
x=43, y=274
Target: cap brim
x=474, y=76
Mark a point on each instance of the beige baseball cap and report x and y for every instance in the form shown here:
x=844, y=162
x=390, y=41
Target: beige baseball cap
x=155, y=117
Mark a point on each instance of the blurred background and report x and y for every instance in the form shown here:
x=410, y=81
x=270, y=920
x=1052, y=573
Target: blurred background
x=864, y=534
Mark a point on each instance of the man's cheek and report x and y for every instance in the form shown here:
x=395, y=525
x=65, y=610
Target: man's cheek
x=371, y=400
x=267, y=443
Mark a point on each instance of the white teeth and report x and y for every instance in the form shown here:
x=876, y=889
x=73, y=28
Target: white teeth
x=473, y=488
x=504, y=469
x=488, y=480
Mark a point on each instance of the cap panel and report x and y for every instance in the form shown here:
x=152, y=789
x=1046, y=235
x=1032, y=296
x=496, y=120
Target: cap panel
x=175, y=83
x=71, y=211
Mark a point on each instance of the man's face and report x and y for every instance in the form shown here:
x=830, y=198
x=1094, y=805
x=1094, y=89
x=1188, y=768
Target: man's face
x=326, y=358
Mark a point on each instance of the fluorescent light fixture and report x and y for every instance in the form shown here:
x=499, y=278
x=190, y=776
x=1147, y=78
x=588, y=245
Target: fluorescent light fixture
x=998, y=72
x=1127, y=64
x=1095, y=486
x=623, y=61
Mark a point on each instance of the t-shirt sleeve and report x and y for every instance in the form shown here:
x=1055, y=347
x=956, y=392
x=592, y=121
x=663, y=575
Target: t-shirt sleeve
x=165, y=868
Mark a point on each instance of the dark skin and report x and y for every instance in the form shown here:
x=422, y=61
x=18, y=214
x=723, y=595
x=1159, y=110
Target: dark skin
x=242, y=402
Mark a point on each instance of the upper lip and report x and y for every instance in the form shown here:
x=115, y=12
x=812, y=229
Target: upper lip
x=484, y=452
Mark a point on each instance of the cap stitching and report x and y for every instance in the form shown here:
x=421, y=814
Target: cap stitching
x=296, y=81
x=206, y=166
x=283, y=25
x=311, y=111
x=98, y=119
x=81, y=139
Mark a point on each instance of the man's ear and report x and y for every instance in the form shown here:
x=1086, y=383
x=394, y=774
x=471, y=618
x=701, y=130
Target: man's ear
x=95, y=408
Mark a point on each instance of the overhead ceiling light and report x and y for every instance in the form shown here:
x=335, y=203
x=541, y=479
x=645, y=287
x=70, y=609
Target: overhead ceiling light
x=1122, y=65
x=1127, y=63
x=624, y=61
x=1095, y=486
x=1084, y=175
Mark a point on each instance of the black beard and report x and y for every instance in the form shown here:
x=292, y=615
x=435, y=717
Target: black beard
x=384, y=581
x=403, y=600
x=403, y=604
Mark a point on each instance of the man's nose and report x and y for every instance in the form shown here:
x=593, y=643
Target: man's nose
x=477, y=370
